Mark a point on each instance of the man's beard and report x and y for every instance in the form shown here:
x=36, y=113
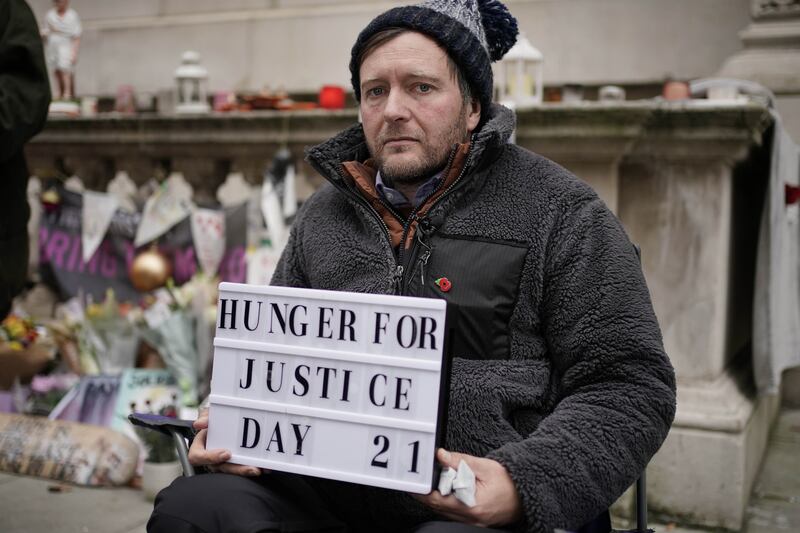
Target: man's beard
x=434, y=157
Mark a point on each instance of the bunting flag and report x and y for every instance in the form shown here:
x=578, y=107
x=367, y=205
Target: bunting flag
x=261, y=264
x=165, y=208
x=98, y=210
x=289, y=194
x=62, y=267
x=208, y=234
x=273, y=214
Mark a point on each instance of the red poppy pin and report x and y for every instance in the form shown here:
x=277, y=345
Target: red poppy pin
x=443, y=284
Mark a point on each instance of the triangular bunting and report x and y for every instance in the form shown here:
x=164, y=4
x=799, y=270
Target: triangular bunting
x=208, y=233
x=98, y=210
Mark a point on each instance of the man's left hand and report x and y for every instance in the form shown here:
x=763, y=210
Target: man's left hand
x=497, y=502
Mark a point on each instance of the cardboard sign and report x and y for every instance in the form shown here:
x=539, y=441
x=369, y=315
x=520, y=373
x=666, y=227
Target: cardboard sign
x=330, y=384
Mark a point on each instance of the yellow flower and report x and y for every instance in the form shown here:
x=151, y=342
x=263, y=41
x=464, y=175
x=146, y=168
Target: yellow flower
x=16, y=328
x=16, y=346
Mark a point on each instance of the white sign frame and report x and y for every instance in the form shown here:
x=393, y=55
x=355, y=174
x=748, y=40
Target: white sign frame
x=374, y=411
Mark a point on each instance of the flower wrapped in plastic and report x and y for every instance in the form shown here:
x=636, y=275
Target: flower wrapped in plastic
x=177, y=326
x=107, y=334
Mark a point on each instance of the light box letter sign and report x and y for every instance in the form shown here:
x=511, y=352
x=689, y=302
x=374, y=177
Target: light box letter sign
x=330, y=384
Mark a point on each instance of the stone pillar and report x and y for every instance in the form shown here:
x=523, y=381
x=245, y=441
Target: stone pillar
x=679, y=200
x=771, y=56
x=589, y=140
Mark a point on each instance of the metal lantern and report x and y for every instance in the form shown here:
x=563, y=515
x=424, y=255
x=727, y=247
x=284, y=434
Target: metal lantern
x=519, y=79
x=191, y=78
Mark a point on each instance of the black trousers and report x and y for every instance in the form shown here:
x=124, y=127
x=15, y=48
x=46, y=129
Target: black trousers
x=280, y=503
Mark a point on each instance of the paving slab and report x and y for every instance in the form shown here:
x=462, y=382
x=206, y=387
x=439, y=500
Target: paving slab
x=775, y=504
x=780, y=474
x=27, y=505
x=787, y=428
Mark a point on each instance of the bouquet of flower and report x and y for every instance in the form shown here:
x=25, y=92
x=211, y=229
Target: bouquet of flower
x=25, y=350
x=104, y=334
x=178, y=326
x=18, y=332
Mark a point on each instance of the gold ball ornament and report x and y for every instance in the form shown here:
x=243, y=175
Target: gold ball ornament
x=149, y=270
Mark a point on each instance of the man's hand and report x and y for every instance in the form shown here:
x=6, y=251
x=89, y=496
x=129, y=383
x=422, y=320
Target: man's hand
x=214, y=460
x=497, y=502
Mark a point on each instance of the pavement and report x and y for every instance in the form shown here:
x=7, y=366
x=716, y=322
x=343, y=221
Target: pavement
x=31, y=505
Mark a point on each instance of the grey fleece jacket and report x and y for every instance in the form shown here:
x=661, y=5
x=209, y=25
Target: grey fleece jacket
x=559, y=372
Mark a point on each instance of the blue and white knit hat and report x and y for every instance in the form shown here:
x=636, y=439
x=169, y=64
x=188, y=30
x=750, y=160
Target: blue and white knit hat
x=474, y=33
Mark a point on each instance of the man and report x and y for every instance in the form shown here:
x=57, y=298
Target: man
x=24, y=98
x=560, y=388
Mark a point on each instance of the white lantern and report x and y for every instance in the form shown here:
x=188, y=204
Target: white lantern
x=519, y=78
x=191, y=78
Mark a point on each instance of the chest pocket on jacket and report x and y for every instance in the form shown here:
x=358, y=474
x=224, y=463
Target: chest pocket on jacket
x=483, y=278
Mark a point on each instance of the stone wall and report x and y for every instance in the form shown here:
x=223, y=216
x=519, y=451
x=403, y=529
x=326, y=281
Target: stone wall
x=303, y=44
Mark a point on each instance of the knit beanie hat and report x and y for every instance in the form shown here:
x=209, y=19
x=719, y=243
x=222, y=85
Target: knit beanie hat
x=474, y=33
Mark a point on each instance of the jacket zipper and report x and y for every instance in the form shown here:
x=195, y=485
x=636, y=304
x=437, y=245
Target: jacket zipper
x=397, y=277
x=397, y=274
x=412, y=216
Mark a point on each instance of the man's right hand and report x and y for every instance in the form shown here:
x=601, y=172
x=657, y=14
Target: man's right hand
x=214, y=460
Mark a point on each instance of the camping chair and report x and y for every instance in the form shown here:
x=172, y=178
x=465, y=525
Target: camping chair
x=181, y=432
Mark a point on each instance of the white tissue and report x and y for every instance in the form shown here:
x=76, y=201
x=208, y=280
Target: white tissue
x=460, y=482
x=446, y=481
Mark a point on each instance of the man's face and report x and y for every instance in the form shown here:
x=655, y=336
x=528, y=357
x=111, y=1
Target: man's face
x=412, y=110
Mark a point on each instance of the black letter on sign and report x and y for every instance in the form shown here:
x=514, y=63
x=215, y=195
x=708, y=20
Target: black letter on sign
x=249, y=374
x=325, y=321
x=293, y=322
x=347, y=319
x=276, y=438
x=413, y=331
x=223, y=304
x=281, y=317
x=247, y=315
x=379, y=327
x=326, y=371
x=372, y=390
x=246, y=431
x=346, y=385
x=299, y=438
x=427, y=333
x=301, y=380
x=270, y=364
x=400, y=393
x=375, y=461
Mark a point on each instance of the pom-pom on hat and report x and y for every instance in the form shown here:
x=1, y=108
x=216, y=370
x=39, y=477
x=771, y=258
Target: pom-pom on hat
x=474, y=33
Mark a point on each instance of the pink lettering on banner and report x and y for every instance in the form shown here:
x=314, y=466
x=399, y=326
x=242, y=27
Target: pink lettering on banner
x=234, y=265
x=56, y=246
x=76, y=253
x=108, y=262
x=91, y=265
x=184, y=265
x=64, y=251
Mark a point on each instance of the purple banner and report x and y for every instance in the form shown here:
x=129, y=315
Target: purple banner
x=62, y=266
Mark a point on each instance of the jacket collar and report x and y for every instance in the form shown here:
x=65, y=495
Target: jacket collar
x=350, y=145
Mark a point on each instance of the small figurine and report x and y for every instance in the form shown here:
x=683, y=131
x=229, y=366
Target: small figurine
x=62, y=34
